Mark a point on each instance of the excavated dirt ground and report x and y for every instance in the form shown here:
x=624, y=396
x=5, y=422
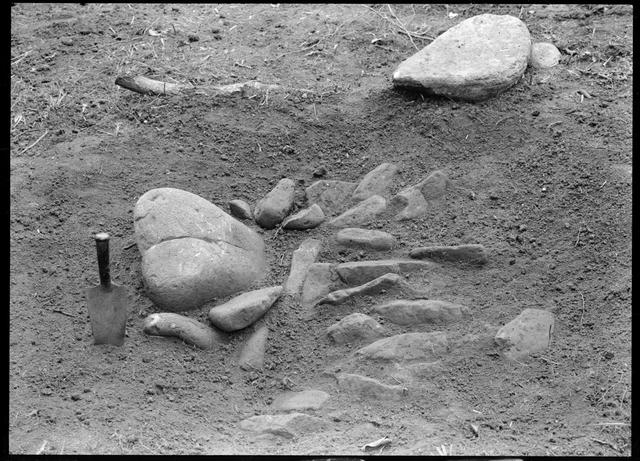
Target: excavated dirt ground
x=541, y=176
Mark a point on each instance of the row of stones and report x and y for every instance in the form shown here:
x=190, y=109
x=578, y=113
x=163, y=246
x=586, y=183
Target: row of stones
x=528, y=333
x=327, y=196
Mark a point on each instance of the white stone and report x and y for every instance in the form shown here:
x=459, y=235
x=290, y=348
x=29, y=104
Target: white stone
x=544, y=55
x=192, y=251
x=476, y=59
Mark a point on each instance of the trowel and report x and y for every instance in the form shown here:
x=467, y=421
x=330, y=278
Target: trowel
x=107, y=302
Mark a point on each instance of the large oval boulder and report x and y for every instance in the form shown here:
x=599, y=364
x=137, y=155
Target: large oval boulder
x=474, y=60
x=192, y=251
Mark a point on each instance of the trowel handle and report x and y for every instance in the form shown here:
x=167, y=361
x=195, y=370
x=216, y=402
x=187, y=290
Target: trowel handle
x=102, y=247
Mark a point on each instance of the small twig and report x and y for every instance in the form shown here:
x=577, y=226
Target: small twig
x=503, y=119
x=404, y=29
x=578, y=239
x=129, y=246
x=42, y=447
x=605, y=443
x=602, y=185
x=37, y=141
x=582, y=314
x=58, y=311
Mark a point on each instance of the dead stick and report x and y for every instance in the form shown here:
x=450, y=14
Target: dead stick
x=37, y=141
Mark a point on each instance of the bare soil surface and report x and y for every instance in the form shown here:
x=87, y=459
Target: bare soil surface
x=541, y=176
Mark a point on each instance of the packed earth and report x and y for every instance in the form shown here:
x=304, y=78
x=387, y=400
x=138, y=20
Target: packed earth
x=340, y=229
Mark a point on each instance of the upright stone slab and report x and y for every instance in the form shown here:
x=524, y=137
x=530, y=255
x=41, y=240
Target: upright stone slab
x=192, y=251
x=301, y=260
x=474, y=60
x=331, y=196
x=376, y=182
x=275, y=206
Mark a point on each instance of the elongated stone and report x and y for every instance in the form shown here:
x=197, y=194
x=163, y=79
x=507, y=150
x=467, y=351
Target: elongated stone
x=240, y=209
x=544, y=55
x=375, y=286
x=472, y=254
x=360, y=272
x=245, y=309
x=415, y=312
x=287, y=425
x=366, y=238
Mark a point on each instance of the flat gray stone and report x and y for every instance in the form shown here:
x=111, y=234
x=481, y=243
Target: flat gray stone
x=275, y=206
x=544, y=55
x=363, y=213
x=301, y=260
x=368, y=239
x=252, y=353
x=321, y=279
x=360, y=272
x=245, y=309
x=407, y=347
x=376, y=182
x=471, y=254
x=331, y=196
x=192, y=251
x=365, y=387
x=415, y=312
x=412, y=202
x=288, y=425
x=240, y=209
x=474, y=60
x=310, y=399
x=529, y=332
x=355, y=327
x=307, y=218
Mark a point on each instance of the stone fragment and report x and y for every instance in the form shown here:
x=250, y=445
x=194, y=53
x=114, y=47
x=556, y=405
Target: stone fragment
x=366, y=387
x=187, y=329
x=301, y=260
x=474, y=60
x=275, y=206
x=305, y=219
x=529, y=332
x=321, y=279
x=544, y=55
x=192, y=251
x=415, y=312
x=363, y=213
x=434, y=186
x=240, y=209
x=376, y=182
x=331, y=196
x=355, y=327
x=407, y=347
x=287, y=425
x=245, y=309
x=412, y=202
x=472, y=254
x=365, y=238
x=310, y=399
x=360, y=272
x=375, y=286
x=252, y=353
